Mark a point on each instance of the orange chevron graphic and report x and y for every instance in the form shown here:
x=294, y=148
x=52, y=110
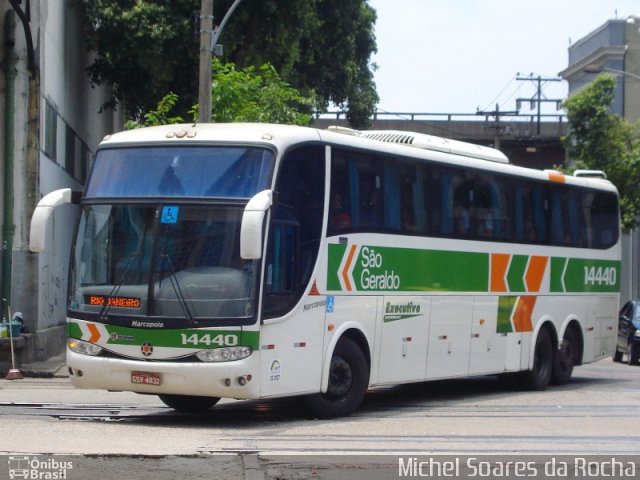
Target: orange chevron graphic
x=345, y=271
x=522, y=314
x=499, y=266
x=95, y=333
x=535, y=273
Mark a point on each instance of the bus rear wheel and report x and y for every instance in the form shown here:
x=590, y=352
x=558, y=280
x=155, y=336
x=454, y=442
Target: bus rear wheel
x=188, y=403
x=539, y=377
x=564, y=359
x=348, y=382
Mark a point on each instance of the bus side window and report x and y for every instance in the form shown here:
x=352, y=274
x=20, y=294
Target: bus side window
x=421, y=200
x=604, y=219
x=557, y=224
x=540, y=209
x=284, y=238
x=391, y=186
x=296, y=228
x=463, y=198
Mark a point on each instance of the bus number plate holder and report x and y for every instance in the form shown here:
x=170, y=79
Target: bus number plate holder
x=146, y=378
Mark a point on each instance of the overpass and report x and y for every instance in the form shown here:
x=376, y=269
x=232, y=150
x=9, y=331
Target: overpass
x=528, y=140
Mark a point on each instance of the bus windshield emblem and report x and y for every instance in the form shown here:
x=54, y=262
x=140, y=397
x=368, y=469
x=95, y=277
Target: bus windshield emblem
x=169, y=214
x=147, y=349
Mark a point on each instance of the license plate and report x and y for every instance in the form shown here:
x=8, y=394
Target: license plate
x=146, y=378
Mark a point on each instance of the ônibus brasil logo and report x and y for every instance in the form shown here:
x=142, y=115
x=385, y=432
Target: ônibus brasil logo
x=38, y=468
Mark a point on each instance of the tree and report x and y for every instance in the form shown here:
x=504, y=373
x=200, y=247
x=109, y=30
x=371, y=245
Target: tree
x=320, y=47
x=143, y=49
x=248, y=95
x=599, y=139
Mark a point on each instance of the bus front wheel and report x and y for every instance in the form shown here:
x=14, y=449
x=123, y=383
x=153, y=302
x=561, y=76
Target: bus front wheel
x=188, y=403
x=348, y=382
x=539, y=376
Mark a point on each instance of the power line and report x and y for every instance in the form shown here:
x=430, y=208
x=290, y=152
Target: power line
x=537, y=99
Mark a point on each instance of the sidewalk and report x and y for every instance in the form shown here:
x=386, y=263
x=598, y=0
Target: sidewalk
x=54, y=367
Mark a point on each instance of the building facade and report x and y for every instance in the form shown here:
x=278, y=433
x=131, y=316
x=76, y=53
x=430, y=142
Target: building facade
x=614, y=47
x=50, y=127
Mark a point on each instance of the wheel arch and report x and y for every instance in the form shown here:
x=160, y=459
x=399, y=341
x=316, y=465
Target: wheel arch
x=354, y=332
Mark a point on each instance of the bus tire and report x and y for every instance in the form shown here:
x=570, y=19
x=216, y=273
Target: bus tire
x=348, y=382
x=188, y=403
x=539, y=377
x=564, y=359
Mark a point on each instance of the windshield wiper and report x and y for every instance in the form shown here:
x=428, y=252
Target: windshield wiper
x=102, y=315
x=175, y=284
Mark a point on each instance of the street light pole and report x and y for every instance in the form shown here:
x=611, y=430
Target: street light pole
x=208, y=41
x=611, y=70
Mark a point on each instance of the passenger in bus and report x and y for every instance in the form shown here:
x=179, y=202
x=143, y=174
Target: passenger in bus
x=529, y=231
x=340, y=219
x=408, y=221
x=484, y=223
x=462, y=220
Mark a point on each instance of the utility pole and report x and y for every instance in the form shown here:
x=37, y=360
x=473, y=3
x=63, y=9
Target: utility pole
x=497, y=113
x=208, y=45
x=538, y=97
x=204, y=79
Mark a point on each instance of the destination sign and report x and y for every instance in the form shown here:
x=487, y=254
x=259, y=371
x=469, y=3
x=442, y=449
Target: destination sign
x=108, y=301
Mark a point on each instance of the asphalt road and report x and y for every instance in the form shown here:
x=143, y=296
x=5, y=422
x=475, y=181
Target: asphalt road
x=598, y=412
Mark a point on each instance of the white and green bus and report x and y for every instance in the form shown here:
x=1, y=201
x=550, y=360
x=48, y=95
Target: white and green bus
x=258, y=261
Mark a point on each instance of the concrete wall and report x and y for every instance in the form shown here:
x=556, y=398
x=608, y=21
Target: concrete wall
x=64, y=93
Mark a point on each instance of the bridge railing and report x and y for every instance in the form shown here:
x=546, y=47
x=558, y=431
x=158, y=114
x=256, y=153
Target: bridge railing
x=452, y=117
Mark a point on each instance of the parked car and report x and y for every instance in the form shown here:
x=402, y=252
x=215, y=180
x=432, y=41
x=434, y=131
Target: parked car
x=629, y=333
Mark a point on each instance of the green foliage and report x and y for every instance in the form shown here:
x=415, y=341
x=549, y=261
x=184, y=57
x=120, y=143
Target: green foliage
x=322, y=48
x=601, y=140
x=159, y=116
x=247, y=95
x=256, y=95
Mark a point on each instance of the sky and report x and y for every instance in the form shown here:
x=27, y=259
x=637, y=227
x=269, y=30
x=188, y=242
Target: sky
x=458, y=56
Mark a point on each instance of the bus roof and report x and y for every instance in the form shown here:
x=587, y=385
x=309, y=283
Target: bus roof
x=429, y=142
x=388, y=142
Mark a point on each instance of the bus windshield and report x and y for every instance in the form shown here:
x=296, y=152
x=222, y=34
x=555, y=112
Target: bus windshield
x=227, y=172
x=172, y=261
x=143, y=249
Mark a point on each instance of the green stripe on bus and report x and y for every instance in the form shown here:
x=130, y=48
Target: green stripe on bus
x=585, y=275
x=378, y=269
x=73, y=330
x=181, y=338
x=406, y=269
x=505, y=310
x=336, y=252
x=557, y=270
x=515, y=275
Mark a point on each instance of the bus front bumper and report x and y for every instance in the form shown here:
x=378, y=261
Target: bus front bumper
x=236, y=379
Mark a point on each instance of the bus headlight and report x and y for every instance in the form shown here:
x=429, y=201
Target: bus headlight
x=82, y=347
x=225, y=354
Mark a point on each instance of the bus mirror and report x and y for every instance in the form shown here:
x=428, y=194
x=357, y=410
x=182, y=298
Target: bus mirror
x=252, y=225
x=44, y=209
